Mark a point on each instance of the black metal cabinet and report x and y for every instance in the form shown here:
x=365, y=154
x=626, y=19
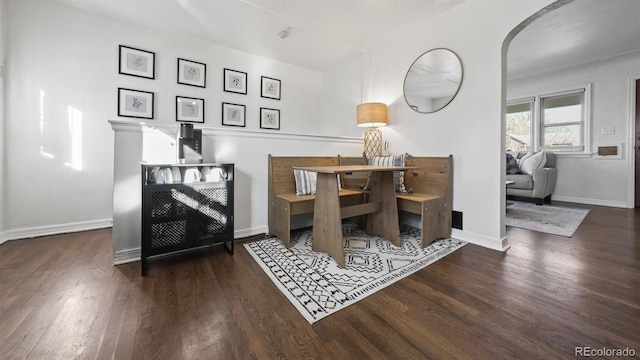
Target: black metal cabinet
x=191, y=208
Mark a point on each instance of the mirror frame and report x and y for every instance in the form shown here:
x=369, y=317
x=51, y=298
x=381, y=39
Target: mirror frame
x=404, y=84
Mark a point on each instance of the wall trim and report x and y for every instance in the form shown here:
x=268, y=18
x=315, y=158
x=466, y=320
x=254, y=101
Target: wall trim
x=37, y=231
x=499, y=244
x=135, y=126
x=589, y=201
x=133, y=255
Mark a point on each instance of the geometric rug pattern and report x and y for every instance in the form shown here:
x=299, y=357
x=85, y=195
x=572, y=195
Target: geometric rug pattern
x=317, y=287
x=548, y=219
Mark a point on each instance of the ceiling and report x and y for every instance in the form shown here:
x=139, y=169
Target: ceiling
x=325, y=32
x=580, y=32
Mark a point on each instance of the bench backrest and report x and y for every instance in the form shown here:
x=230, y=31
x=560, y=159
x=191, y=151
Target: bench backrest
x=355, y=180
x=281, y=179
x=434, y=175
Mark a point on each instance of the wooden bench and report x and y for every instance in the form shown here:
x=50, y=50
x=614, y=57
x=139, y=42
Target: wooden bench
x=283, y=201
x=431, y=196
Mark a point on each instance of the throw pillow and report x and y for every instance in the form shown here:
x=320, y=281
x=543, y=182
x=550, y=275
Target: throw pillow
x=398, y=176
x=512, y=165
x=306, y=182
x=535, y=161
x=524, y=157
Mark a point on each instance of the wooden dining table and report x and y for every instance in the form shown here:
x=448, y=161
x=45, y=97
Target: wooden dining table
x=381, y=207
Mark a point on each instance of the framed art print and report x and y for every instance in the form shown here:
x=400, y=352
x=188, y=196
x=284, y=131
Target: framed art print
x=233, y=114
x=235, y=81
x=270, y=88
x=189, y=109
x=135, y=103
x=192, y=73
x=136, y=62
x=269, y=119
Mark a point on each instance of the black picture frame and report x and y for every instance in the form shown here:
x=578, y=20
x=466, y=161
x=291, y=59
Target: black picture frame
x=135, y=103
x=269, y=118
x=192, y=73
x=235, y=81
x=189, y=109
x=136, y=62
x=234, y=115
x=270, y=88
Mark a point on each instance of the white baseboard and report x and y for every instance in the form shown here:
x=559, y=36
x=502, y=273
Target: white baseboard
x=126, y=256
x=36, y=231
x=473, y=238
x=132, y=255
x=499, y=244
x=589, y=201
x=243, y=233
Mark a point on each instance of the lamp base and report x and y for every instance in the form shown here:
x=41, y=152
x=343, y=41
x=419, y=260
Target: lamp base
x=372, y=142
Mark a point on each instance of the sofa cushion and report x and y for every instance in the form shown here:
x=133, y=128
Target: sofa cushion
x=522, y=181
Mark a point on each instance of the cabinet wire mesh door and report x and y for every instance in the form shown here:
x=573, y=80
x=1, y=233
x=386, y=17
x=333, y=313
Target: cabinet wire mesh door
x=180, y=216
x=169, y=223
x=212, y=212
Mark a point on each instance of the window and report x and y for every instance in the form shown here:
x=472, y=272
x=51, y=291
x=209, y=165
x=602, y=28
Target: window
x=556, y=122
x=519, y=125
x=562, y=121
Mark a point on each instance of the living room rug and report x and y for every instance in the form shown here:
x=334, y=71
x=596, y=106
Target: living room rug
x=317, y=287
x=563, y=221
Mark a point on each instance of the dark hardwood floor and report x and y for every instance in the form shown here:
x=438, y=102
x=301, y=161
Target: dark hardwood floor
x=61, y=298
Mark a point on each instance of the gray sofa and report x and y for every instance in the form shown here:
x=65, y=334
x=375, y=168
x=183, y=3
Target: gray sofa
x=536, y=187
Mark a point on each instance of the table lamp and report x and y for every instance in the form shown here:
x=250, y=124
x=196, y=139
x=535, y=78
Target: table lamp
x=372, y=116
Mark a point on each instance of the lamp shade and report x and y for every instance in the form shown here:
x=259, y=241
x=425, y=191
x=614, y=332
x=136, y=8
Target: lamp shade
x=372, y=115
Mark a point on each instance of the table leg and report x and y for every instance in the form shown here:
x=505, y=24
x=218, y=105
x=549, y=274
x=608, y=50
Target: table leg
x=384, y=222
x=327, y=222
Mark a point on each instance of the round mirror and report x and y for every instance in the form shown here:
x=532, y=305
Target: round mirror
x=433, y=80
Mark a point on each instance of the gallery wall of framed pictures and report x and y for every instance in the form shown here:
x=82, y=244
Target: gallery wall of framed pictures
x=139, y=103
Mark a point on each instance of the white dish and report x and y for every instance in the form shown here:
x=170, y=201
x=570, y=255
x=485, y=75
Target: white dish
x=191, y=175
x=175, y=171
x=165, y=176
x=153, y=175
x=214, y=174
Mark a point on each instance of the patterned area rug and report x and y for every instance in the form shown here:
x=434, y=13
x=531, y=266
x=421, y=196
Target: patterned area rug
x=548, y=219
x=317, y=287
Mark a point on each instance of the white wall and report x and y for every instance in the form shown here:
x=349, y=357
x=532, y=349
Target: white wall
x=346, y=87
x=469, y=128
x=591, y=180
x=61, y=57
x=56, y=68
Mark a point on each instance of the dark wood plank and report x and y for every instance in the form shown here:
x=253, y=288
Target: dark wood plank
x=61, y=297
